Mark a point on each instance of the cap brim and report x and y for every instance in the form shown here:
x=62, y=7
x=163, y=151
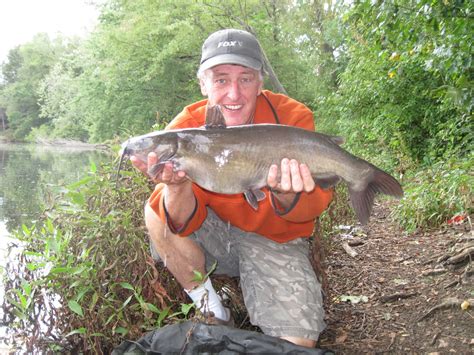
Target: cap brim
x=231, y=59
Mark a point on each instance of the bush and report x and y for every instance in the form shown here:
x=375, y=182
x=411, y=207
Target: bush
x=436, y=194
x=85, y=279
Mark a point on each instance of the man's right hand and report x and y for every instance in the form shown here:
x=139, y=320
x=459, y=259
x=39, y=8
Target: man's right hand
x=179, y=197
x=166, y=176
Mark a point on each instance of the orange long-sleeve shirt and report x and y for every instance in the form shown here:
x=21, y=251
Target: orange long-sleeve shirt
x=298, y=222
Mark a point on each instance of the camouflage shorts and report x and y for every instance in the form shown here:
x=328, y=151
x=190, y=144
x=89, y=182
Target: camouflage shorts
x=281, y=291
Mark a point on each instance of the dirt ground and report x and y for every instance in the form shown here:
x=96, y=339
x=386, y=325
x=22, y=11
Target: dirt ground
x=401, y=293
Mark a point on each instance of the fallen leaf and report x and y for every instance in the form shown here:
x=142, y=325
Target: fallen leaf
x=341, y=338
x=400, y=281
x=443, y=343
x=354, y=299
x=457, y=219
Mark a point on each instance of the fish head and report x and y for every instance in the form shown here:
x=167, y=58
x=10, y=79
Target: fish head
x=163, y=144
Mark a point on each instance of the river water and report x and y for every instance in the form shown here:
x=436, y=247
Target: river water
x=29, y=176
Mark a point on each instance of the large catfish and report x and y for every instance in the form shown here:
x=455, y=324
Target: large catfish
x=231, y=160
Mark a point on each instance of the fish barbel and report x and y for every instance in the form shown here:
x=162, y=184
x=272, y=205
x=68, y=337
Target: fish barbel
x=237, y=159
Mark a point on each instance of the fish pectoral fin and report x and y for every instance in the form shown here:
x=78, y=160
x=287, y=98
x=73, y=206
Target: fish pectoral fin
x=259, y=194
x=253, y=197
x=327, y=182
x=156, y=169
x=214, y=117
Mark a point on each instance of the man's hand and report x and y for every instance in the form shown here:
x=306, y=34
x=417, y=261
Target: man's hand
x=179, y=196
x=167, y=176
x=295, y=177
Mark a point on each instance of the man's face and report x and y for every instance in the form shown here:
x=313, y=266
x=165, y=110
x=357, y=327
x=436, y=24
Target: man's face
x=235, y=88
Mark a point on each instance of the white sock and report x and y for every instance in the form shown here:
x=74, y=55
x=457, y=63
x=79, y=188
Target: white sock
x=206, y=299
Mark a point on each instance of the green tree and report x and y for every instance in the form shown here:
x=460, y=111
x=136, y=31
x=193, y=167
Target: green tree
x=139, y=67
x=60, y=97
x=27, y=65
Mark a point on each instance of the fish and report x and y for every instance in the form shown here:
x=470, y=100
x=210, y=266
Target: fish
x=237, y=159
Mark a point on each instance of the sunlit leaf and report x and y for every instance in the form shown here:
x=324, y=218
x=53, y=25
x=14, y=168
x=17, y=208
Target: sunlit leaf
x=127, y=301
x=97, y=335
x=121, y=330
x=77, y=331
x=79, y=183
x=77, y=198
x=127, y=286
x=153, y=308
x=95, y=298
x=26, y=288
x=186, y=307
x=59, y=270
x=93, y=167
x=197, y=276
x=75, y=307
x=21, y=298
x=111, y=317
x=25, y=229
x=163, y=314
x=49, y=226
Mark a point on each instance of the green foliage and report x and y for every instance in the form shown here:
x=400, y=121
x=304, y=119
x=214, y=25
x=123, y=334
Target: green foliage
x=28, y=64
x=85, y=269
x=60, y=97
x=404, y=99
x=393, y=77
x=138, y=67
x=407, y=86
x=437, y=194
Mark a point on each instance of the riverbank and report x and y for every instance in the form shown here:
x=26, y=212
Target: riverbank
x=68, y=143
x=5, y=138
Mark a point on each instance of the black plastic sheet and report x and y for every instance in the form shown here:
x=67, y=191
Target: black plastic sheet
x=192, y=337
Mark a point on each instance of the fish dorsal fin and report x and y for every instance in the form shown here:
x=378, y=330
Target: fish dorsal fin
x=337, y=139
x=214, y=117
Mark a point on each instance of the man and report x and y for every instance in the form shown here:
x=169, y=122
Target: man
x=267, y=248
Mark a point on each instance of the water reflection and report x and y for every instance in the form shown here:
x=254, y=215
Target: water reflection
x=29, y=174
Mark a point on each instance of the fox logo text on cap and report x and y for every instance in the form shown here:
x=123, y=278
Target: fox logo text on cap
x=229, y=44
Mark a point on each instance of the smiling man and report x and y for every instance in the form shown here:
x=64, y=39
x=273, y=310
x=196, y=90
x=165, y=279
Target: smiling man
x=191, y=228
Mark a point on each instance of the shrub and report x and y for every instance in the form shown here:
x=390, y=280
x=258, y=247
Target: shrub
x=436, y=194
x=85, y=279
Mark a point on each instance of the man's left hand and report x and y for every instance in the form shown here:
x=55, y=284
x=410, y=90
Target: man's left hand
x=294, y=177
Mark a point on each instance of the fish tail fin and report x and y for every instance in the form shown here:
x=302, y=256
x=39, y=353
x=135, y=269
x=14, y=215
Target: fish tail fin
x=381, y=182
